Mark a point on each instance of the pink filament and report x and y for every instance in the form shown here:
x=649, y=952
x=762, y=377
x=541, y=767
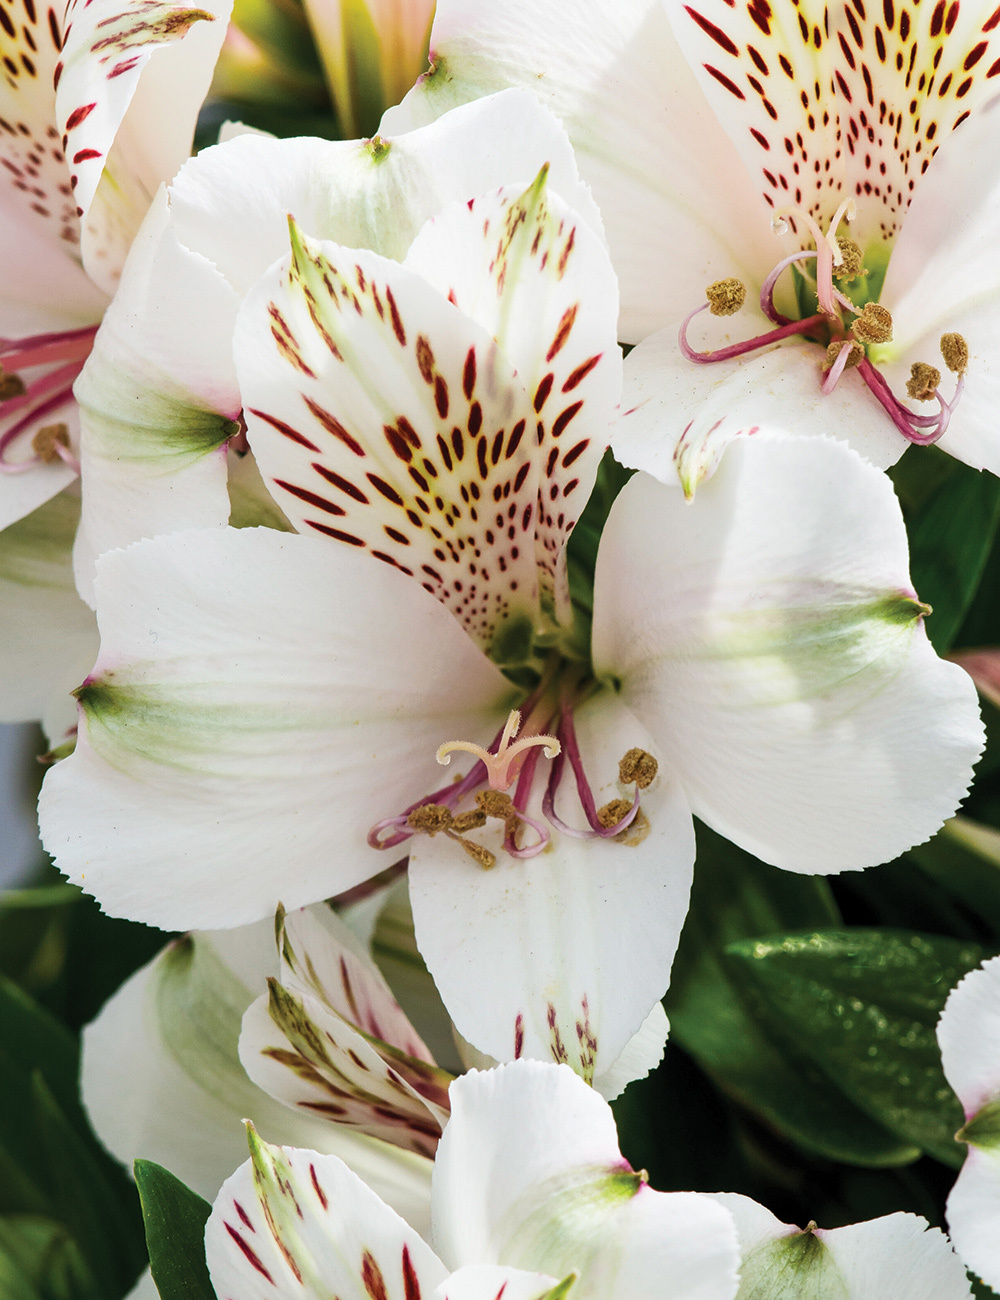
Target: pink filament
x=748, y=345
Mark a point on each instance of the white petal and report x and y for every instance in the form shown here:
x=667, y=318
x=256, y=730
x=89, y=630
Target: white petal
x=768, y=636
x=157, y=397
x=161, y=1078
x=231, y=203
x=678, y=416
x=897, y=1257
x=260, y=701
x=641, y=1054
x=49, y=635
x=294, y=1223
x=645, y=140
x=124, y=124
x=529, y=1174
x=973, y=1212
x=144, y=1289
x=387, y=420
x=538, y=280
x=969, y=1035
x=560, y=956
x=490, y=1281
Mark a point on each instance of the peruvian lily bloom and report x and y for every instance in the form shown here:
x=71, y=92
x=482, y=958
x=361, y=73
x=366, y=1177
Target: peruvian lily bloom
x=897, y=1257
x=804, y=158
x=161, y=1075
x=88, y=131
x=530, y=1194
x=969, y=1035
x=264, y=716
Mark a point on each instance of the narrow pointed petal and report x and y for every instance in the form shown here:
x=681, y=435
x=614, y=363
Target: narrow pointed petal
x=161, y=1077
x=49, y=635
x=36, y=177
x=127, y=128
x=293, y=1223
x=897, y=1257
x=529, y=1174
x=158, y=397
x=388, y=421
x=528, y=270
x=678, y=418
x=613, y=74
x=332, y=1041
x=261, y=684
x=800, y=87
x=768, y=636
x=531, y=957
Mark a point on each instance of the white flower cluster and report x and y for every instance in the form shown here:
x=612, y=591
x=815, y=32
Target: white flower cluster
x=336, y=411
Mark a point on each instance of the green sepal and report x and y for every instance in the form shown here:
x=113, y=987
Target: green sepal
x=983, y=1130
x=715, y=1019
x=863, y=1005
x=952, y=512
x=175, y=1219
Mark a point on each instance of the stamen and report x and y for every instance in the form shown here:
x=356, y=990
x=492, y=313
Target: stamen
x=726, y=297
x=500, y=769
x=478, y=852
x=851, y=263
x=767, y=288
x=50, y=441
x=639, y=766
x=471, y=820
x=11, y=385
x=923, y=382
x=430, y=818
x=840, y=356
x=874, y=325
x=955, y=352
x=750, y=345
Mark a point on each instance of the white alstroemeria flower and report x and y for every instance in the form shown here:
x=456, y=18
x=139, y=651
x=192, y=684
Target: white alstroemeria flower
x=161, y=1076
x=696, y=124
x=266, y=707
x=897, y=1257
x=159, y=395
x=531, y=1197
x=95, y=116
x=969, y=1035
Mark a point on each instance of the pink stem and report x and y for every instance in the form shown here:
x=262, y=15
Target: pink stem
x=521, y=795
x=832, y=376
x=53, y=348
x=767, y=288
x=905, y=421
x=749, y=345
x=63, y=377
x=12, y=346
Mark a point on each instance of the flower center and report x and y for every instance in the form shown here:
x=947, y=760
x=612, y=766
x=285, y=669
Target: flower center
x=501, y=783
x=55, y=360
x=844, y=328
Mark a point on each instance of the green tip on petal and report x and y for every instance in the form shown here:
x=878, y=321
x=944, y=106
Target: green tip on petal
x=377, y=148
x=792, y=1268
x=561, y=1289
x=983, y=1130
x=901, y=609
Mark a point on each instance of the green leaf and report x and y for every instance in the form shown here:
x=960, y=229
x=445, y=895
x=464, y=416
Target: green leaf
x=103, y=1225
x=863, y=1005
x=40, y=1261
x=32, y=1038
x=952, y=521
x=175, y=1220
x=964, y=857
x=714, y=1018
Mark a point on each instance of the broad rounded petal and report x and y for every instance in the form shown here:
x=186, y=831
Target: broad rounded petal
x=973, y=1211
x=127, y=127
x=260, y=701
x=562, y=955
x=645, y=139
x=641, y=1054
x=49, y=635
x=539, y=281
x=487, y=1281
x=45, y=290
x=294, y=1223
x=21, y=493
x=529, y=1174
x=969, y=1035
x=161, y=1077
x=678, y=416
x=411, y=464
x=897, y=1257
x=768, y=636
x=144, y=1289
x=231, y=203
x=156, y=397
